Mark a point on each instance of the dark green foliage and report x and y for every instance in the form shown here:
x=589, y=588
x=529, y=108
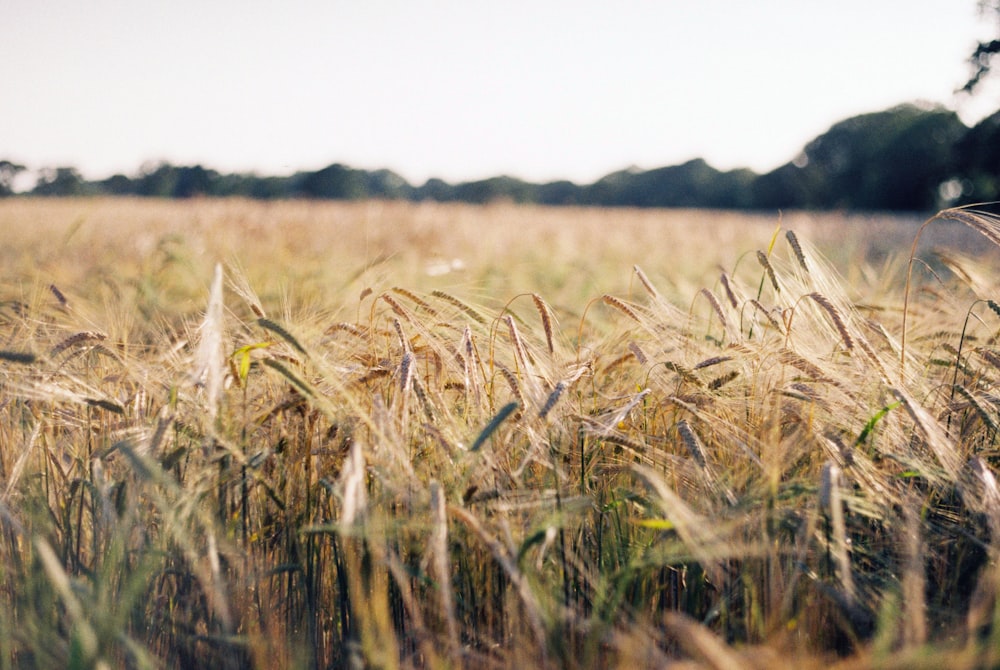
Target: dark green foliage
x=977, y=158
x=8, y=172
x=61, y=181
x=891, y=160
x=981, y=59
x=337, y=182
x=896, y=159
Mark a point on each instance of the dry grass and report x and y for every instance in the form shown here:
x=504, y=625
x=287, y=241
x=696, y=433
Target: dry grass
x=317, y=435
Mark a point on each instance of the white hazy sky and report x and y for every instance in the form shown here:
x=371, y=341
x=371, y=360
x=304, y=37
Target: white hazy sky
x=463, y=89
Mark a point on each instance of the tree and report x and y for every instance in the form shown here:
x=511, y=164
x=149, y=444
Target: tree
x=977, y=161
x=787, y=187
x=157, y=180
x=560, y=192
x=117, y=184
x=691, y=184
x=435, y=189
x=192, y=181
x=8, y=173
x=387, y=184
x=982, y=56
x=61, y=181
x=892, y=160
x=337, y=182
x=495, y=189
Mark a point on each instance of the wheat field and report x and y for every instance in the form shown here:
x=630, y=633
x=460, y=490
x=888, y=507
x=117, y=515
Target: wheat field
x=320, y=435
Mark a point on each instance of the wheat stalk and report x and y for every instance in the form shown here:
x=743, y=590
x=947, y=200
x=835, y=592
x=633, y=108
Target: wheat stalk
x=413, y=297
x=976, y=404
x=813, y=371
x=648, y=285
x=830, y=502
x=692, y=442
x=543, y=312
x=638, y=353
x=210, y=359
x=621, y=306
x=714, y=360
x=60, y=297
x=75, y=339
x=515, y=388
x=714, y=302
x=466, y=309
x=793, y=242
x=729, y=291
x=520, y=352
x=834, y=315
x=348, y=328
x=769, y=269
x=282, y=332
x=722, y=380
x=400, y=311
x=440, y=568
x=551, y=401
x=767, y=313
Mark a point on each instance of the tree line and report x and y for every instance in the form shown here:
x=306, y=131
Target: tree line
x=907, y=158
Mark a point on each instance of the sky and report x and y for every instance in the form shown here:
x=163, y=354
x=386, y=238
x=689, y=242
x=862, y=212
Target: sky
x=464, y=89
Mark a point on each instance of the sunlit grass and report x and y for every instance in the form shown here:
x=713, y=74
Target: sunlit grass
x=308, y=435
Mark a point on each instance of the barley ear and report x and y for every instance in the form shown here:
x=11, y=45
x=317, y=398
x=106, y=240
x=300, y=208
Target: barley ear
x=769, y=269
x=834, y=314
x=793, y=242
x=716, y=306
x=648, y=285
x=543, y=312
x=283, y=333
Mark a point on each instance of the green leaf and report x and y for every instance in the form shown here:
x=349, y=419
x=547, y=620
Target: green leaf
x=243, y=353
x=870, y=426
x=656, y=524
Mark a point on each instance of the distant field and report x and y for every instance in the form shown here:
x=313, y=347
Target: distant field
x=296, y=434
x=501, y=249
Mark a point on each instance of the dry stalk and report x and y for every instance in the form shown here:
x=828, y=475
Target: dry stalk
x=440, y=568
x=648, y=285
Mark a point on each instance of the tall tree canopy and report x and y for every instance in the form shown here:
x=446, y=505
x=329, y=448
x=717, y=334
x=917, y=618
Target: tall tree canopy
x=985, y=51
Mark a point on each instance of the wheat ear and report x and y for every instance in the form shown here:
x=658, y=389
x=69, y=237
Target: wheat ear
x=468, y=311
x=543, y=312
x=793, y=242
x=283, y=333
x=417, y=300
x=729, y=290
x=648, y=285
x=716, y=306
x=59, y=296
x=769, y=269
x=834, y=315
x=75, y=339
x=621, y=306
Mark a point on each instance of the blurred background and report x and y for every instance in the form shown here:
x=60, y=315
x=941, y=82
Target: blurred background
x=875, y=105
